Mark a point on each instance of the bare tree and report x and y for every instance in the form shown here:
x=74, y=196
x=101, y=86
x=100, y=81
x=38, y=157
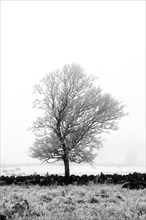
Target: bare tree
x=76, y=112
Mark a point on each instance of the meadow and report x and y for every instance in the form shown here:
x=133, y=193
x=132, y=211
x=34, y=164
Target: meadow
x=72, y=202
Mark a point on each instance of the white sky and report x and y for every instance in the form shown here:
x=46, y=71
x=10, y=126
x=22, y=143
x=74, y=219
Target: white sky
x=106, y=37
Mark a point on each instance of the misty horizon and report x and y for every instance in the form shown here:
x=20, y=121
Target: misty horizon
x=5, y=164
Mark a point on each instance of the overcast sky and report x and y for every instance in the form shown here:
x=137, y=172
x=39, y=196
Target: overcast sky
x=107, y=38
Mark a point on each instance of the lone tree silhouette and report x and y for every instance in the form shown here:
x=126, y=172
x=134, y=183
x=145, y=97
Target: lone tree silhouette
x=76, y=112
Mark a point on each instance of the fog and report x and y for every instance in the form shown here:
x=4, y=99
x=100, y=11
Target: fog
x=106, y=38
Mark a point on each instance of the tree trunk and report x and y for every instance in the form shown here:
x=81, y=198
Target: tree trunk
x=66, y=167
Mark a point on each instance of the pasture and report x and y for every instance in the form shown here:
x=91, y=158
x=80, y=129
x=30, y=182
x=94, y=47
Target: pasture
x=72, y=202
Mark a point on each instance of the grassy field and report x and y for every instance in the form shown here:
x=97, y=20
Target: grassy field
x=92, y=202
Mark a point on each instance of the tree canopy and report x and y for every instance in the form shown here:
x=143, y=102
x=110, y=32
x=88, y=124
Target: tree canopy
x=75, y=113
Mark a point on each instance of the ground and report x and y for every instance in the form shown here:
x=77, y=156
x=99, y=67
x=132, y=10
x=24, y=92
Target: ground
x=91, y=202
